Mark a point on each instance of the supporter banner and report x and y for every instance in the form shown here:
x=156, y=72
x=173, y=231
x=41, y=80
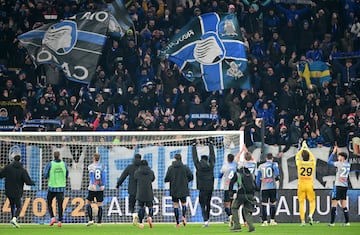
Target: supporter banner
x=116, y=207
x=346, y=55
x=206, y=117
x=9, y=110
x=116, y=159
x=210, y=47
x=75, y=45
x=294, y=1
x=159, y=158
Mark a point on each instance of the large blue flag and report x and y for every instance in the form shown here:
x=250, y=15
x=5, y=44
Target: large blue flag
x=74, y=45
x=210, y=47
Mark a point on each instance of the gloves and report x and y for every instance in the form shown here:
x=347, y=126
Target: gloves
x=194, y=142
x=277, y=178
x=304, y=144
x=117, y=186
x=211, y=141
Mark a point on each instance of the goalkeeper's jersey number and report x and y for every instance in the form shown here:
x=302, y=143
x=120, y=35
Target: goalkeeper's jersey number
x=306, y=171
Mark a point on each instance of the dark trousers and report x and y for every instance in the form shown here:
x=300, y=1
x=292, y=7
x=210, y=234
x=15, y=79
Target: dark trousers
x=15, y=205
x=205, y=199
x=132, y=202
x=59, y=199
x=247, y=201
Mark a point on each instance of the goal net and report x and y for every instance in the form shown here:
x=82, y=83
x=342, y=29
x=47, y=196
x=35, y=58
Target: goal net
x=117, y=150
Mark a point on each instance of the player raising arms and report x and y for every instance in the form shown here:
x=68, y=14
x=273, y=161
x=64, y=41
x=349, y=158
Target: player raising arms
x=248, y=162
x=204, y=179
x=306, y=165
x=341, y=184
x=228, y=171
x=267, y=175
x=96, y=188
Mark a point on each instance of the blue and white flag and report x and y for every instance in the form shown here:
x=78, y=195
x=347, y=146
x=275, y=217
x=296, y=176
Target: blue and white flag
x=210, y=47
x=74, y=45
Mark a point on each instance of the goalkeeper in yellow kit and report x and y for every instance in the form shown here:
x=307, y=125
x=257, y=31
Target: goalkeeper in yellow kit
x=306, y=164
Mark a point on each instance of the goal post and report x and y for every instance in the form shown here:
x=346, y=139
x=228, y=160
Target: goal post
x=116, y=150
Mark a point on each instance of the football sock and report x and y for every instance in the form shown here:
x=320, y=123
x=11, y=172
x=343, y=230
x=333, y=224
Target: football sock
x=332, y=215
x=151, y=211
x=176, y=212
x=312, y=206
x=100, y=212
x=141, y=214
x=302, y=210
x=60, y=209
x=346, y=214
x=89, y=211
x=184, y=210
x=264, y=213
x=272, y=211
x=228, y=211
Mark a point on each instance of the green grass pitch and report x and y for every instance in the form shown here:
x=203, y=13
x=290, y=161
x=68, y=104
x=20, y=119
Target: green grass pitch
x=170, y=229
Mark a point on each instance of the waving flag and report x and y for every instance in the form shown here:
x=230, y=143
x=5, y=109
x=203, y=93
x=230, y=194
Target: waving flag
x=314, y=73
x=210, y=47
x=118, y=10
x=75, y=45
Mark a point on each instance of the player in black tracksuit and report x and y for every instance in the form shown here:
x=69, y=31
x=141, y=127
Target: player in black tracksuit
x=129, y=172
x=15, y=177
x=144, y=177
x=179, y=176
x=204, y=179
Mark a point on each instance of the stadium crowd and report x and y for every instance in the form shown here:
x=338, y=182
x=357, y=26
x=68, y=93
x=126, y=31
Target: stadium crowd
x=135, y=90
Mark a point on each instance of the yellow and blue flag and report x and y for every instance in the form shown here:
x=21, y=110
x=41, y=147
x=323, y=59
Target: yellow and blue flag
x=315, y=73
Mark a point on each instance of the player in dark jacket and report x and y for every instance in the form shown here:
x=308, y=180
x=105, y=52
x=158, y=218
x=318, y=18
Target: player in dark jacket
x=130, y=172
x=204, y=179
x=15, y=177
x=179, y=176
x=144, y=177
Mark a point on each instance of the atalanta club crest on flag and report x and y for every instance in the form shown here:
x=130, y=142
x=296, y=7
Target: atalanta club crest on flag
x=210, y=47
x=75, y=44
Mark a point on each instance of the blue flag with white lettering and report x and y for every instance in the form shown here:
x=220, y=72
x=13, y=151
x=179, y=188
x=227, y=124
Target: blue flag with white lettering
x=74, y=45
x=210, y=47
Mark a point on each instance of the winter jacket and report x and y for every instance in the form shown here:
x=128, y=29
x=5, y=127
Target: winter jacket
x=179, y=175
x=15, y=177
x=204, y=169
